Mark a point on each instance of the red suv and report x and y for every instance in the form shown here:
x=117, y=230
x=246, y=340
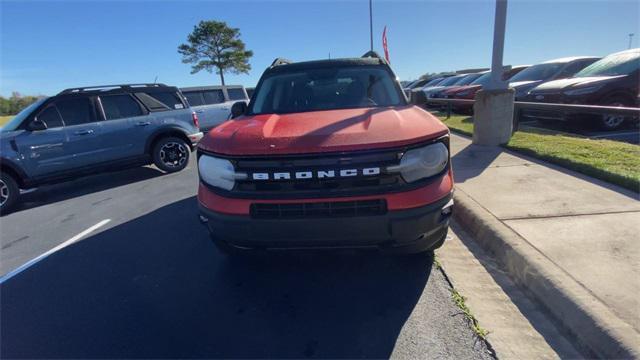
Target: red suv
x=328, y=154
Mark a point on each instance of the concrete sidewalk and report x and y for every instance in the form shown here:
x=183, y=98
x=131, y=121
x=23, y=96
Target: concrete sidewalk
x=572, y=241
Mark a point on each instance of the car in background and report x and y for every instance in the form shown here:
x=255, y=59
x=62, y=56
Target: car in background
x=549, y=70
x=213, y=103
x=419, y=95
x=82, y=131
x=250, y=91
x=612, y=81
x=469, y=91
x=466, y=80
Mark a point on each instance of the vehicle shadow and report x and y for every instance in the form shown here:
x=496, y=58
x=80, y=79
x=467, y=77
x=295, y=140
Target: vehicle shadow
x=155, y=287
x=49, y=194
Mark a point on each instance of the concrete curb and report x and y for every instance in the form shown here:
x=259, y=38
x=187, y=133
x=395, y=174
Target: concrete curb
x=589, y=320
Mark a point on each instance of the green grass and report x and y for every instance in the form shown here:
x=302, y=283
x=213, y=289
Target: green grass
x=460, y=303
x=5, y=119
x=612, y=161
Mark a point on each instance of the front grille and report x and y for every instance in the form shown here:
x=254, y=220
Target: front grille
x=319, y=209
x=262, y=183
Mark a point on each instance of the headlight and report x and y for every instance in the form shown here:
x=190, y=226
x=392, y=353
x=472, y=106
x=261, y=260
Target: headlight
x=422, y=163
x=582, y=91
x=218, y=172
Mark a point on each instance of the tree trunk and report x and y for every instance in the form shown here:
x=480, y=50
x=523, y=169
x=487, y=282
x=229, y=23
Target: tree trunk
x=221, y=76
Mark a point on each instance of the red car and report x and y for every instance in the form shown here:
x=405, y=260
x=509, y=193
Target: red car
x=469, y=91
x=328, y=154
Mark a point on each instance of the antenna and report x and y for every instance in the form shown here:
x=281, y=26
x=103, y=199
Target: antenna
x=630, y=39
x=155, y=80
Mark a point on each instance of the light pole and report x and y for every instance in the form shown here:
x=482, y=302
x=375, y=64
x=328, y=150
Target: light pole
x=498, y=45
x=630, y=37
x=371, y=23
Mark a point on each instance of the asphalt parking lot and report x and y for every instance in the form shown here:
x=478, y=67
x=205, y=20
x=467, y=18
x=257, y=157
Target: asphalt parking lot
x=148, y=283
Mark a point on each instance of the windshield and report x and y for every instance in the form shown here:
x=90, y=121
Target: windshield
x=482, y=80
x=537, y=72
x=434, y=82
x=450, y=81
x=326, y=89
x=468, y=79
x=17, y=120
x=613, y=65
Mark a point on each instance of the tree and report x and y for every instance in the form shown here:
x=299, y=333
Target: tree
x=213, y=45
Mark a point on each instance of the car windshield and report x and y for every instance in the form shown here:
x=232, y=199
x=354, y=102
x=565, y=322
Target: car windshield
x=468, y=79
x=613, y=65
x=537, y=72
x=326, y=89
x=434, y=82
x=482, y=80
x=450, y=81
x=18, y=119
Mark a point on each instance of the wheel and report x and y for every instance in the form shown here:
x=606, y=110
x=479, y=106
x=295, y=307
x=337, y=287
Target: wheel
x=9, y=192
x=610, y=121
x=171, y=154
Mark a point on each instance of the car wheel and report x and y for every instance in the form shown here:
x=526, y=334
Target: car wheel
x=171, y=154
x=9, y=192
x=611, y=121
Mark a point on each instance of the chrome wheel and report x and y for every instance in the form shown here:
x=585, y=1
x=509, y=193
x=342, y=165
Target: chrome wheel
x=613, y=121
x=173, y=154
x=4, y=193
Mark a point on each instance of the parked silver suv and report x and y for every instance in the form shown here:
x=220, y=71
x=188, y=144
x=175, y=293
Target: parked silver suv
x=87, y=130
x=213, y=103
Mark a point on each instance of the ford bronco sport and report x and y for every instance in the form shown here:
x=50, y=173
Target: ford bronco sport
x=328, y=154
x=85, y=130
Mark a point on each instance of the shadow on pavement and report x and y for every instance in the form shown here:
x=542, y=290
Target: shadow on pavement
x=156, y=287
x=49, y=194
x=473, y=160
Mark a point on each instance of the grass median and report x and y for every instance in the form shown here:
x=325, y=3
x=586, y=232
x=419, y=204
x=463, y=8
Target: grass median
x=611, y=161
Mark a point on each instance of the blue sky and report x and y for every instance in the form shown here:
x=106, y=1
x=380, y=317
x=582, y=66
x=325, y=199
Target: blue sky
x=50, y=45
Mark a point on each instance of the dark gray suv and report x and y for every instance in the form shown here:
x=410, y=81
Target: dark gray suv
x=87, y=130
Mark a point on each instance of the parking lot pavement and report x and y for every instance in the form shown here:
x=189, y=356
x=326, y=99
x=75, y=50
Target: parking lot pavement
x=149, y=283
x=630, y=134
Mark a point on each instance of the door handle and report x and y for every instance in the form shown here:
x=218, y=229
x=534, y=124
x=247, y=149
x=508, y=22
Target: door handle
x=84, y=132
x=143, y=123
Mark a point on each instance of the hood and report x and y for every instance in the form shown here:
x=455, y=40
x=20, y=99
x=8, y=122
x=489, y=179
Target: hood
x=323, y=131
x=564, y=84
x=523, y=84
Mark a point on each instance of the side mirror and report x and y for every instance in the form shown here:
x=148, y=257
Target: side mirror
x=37, y=125
x=407, y=93
x=238, y=108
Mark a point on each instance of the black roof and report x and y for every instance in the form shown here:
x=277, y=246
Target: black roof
x=283, y=65
x=119, y=88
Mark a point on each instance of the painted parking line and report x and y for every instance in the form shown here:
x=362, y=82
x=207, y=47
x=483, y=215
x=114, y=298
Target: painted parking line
x=42, y=256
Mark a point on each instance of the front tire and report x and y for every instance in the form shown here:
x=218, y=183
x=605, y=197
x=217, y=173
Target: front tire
x=9, y=192
x=611, y=122
x=171, y=154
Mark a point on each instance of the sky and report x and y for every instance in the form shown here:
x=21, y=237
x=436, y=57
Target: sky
x=47, y=46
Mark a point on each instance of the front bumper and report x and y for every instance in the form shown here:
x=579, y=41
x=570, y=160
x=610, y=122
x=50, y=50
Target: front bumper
x=410, y=230
x=195, y=138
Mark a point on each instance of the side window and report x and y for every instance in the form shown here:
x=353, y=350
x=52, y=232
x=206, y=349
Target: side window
x=213, y=97
x=236, y=94
x=51, y=117
x=120, y=106
x=76, y=111
x=194, y=98
x=169, y=99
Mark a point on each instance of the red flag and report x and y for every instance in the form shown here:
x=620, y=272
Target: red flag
x=384, y=44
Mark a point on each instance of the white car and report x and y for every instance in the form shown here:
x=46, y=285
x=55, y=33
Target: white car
x=213, y=104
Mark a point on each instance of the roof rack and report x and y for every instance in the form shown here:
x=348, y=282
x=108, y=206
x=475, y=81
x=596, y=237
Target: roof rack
x=280, y=61
x=108, y=87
